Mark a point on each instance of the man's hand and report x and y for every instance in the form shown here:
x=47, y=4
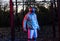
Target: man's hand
x=38, y=28
x=24, y=30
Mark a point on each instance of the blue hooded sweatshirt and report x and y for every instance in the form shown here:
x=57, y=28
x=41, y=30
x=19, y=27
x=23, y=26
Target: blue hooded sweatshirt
x=30, y=20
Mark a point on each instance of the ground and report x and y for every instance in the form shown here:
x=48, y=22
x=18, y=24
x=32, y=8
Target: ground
x=45, y=34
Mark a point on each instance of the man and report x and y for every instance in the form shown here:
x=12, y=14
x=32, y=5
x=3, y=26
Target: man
x=30, y=23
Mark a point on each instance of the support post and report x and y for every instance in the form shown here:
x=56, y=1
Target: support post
x=12, y=21
x=58, y=12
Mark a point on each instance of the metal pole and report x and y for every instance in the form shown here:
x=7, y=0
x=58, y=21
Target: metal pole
x=12, y=21
x=53, y=21
x=34, y=3
x=54, y=34
x=16, y=16
x=16, y=7
x=23, y=4
x=58, y=10
x=54, y=3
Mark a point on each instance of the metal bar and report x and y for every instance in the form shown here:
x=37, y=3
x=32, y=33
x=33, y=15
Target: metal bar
x=35, y=1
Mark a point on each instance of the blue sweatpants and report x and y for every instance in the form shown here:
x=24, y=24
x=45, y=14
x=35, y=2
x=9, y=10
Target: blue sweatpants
x=32, y=34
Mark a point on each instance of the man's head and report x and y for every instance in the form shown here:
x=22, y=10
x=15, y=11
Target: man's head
x=32, y=9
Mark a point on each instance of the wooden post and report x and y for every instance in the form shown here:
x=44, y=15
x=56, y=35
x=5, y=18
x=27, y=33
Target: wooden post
x=12, y=21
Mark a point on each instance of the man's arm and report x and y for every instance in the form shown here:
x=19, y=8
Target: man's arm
x=24, y=23
x=37, y=22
